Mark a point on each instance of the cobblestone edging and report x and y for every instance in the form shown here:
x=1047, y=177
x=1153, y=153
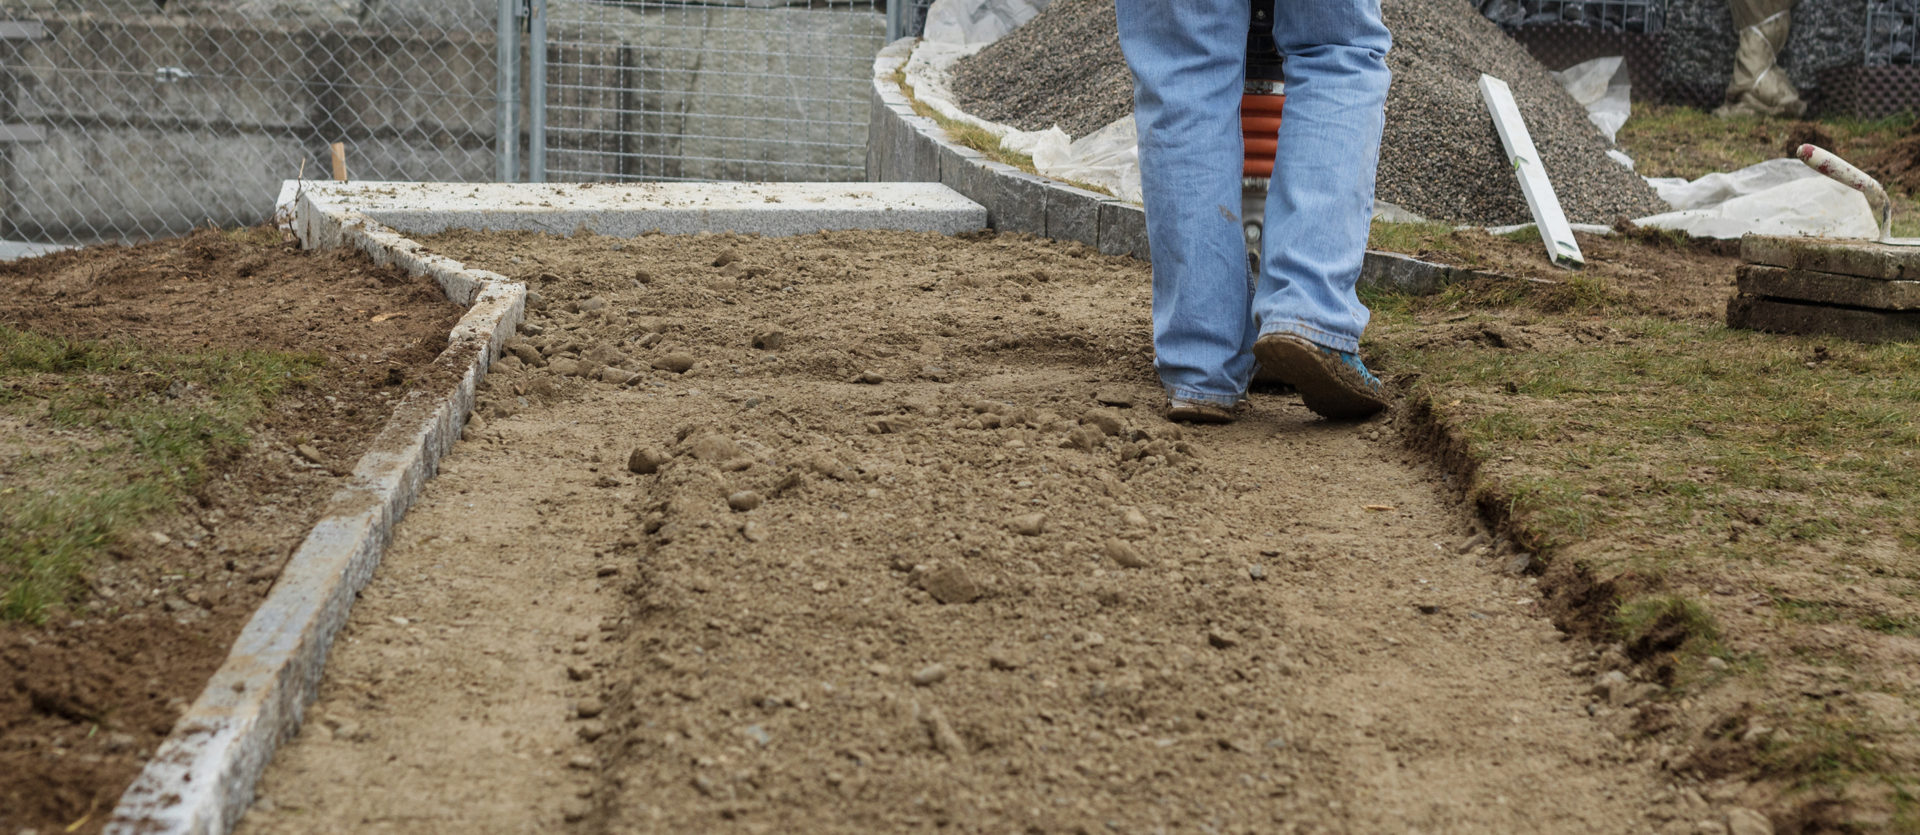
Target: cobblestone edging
x=905, y=147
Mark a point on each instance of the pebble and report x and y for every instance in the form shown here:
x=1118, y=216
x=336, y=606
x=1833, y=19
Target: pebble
x=588, y=708
x=310, y=454
x=1744, y=821
x=753, y=531
x=162, y=539
x=575, y=810
x=527, y=354
x=591, y=730
x=646, y=460
x=930, y=675
x=770, y=340
x=617, y=376
x=1222, y=639
x=743, y=501
x=1114, y=398
x=758, y=734
x=1005, y=658
x=940, y=732
x=950, y=584
x=1107, y=422
x=567, y=368
x=675, y=363
x=582, y=762
x=714, y=446
x=576, y=672
x=1125, y=554
x=1257, y=571
x=1133, y=518
x=868, y=378
x=1030, y=524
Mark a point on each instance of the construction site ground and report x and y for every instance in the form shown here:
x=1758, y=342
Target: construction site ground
x=882, y=531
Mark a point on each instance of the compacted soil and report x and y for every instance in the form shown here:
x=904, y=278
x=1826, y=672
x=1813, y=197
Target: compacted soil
x=87, y=695
x=881, y=531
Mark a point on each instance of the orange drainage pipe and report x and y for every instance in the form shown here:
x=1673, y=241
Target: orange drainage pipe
x=1259, y=126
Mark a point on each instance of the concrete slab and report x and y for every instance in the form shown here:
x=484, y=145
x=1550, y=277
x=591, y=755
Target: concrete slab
x=772, y=209
x=1865, y=259
x=16, y=250
x=1829, y=288
x=1754, y=313
x=1073, y=214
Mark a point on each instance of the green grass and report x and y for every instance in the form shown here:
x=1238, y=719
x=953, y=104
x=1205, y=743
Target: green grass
x=157, y=419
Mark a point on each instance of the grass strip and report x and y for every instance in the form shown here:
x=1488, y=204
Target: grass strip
x=149, y=424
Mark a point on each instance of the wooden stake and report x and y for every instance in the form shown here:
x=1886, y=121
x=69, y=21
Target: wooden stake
x=340, y=162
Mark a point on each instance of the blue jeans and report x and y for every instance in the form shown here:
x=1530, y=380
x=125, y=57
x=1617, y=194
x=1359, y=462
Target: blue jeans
x=1188, y=59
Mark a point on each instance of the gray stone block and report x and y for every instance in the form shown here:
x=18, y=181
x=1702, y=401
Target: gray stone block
x=880, y=124
x=917, y=157
x=1016, y=201
x=1398, y=273
x=1773, y=316
x=962, y=169
x=1123, y=230
x=1865, y=259
x=1073, y=214
x=1828, y=288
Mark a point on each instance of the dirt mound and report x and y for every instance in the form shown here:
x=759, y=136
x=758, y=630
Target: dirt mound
x=1440, y=155
x=1898, y=167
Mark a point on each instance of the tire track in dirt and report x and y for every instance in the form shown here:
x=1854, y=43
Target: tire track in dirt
x=1267, y=626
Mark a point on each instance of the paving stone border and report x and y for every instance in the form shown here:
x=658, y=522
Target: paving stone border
x=903, y=146
x=202, y=778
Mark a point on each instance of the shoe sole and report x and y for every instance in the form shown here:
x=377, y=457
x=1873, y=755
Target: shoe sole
x=1198, y=413
x=1327, y=386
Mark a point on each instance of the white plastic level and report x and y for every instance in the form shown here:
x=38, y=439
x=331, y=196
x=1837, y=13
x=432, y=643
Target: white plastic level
x=1541, y=201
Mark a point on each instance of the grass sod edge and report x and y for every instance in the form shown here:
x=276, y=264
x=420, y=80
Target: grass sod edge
x=202, y=777
x=1818, y=762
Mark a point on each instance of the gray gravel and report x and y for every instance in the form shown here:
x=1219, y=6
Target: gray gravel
x=1440, y=155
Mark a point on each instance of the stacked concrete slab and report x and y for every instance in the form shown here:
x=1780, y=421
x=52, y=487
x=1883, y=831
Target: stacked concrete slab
x=1860, y=290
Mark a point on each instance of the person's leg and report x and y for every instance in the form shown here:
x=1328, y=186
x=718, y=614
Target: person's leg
x=1321, y=200
x=1188, y=58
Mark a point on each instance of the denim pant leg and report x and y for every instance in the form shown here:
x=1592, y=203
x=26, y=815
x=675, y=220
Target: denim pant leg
x=1321, y=200
x=1188, y=60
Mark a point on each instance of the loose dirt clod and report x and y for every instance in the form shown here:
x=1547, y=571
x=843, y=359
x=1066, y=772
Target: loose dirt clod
x=647, y=460
x=1125, y=554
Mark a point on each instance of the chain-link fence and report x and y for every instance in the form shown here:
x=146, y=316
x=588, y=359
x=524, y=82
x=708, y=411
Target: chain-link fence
x=1893, y=32
x=127, y=119
x=677, y=90
x=1604, y=15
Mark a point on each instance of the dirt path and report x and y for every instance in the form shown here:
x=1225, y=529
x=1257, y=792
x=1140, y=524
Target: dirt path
x=925, y=557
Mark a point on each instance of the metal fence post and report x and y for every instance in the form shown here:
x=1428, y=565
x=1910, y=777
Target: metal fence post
x=896, y=19
x=537, y=93
x=507, y=55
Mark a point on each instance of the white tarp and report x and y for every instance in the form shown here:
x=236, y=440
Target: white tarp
x=978, y=22
x=1602, y=87
x=1803, y=206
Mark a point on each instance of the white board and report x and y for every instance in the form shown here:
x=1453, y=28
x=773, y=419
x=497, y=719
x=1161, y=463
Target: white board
x=1541, y=201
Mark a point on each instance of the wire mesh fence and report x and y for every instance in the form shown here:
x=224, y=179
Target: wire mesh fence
x=126, y=119
x=1892, y=32
x=1605, y=15
x=129, y=119
x=676, y=90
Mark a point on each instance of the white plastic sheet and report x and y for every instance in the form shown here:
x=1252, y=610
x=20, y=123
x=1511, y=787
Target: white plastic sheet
x=1802, y=206
x=1602, y=87
x=1108, y=158
x=977, y=23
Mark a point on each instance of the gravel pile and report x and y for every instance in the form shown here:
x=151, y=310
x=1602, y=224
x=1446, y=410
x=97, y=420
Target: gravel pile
x=1440, y=156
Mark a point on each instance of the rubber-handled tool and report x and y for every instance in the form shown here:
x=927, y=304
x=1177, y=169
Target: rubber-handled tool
x=1843, y=172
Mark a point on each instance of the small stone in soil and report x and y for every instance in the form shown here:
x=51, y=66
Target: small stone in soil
x=1125, y=554
x=714, y=446
x=753, y=531
x=1112, y=397
x=1222, y=639
x=310, y=453
x=1005, y=658
x=1030, y=524
x=1134, y=518
x=1105, y=421
x=930, y=675
x=579, y=673
x=1257, y=572
x=676, y=363
x=592, y=730
x=646, y=460
x=770, y=340
x=582, y=762
x=950, y=584
x=588, y=708
x=743, y=501
x=869, y=378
